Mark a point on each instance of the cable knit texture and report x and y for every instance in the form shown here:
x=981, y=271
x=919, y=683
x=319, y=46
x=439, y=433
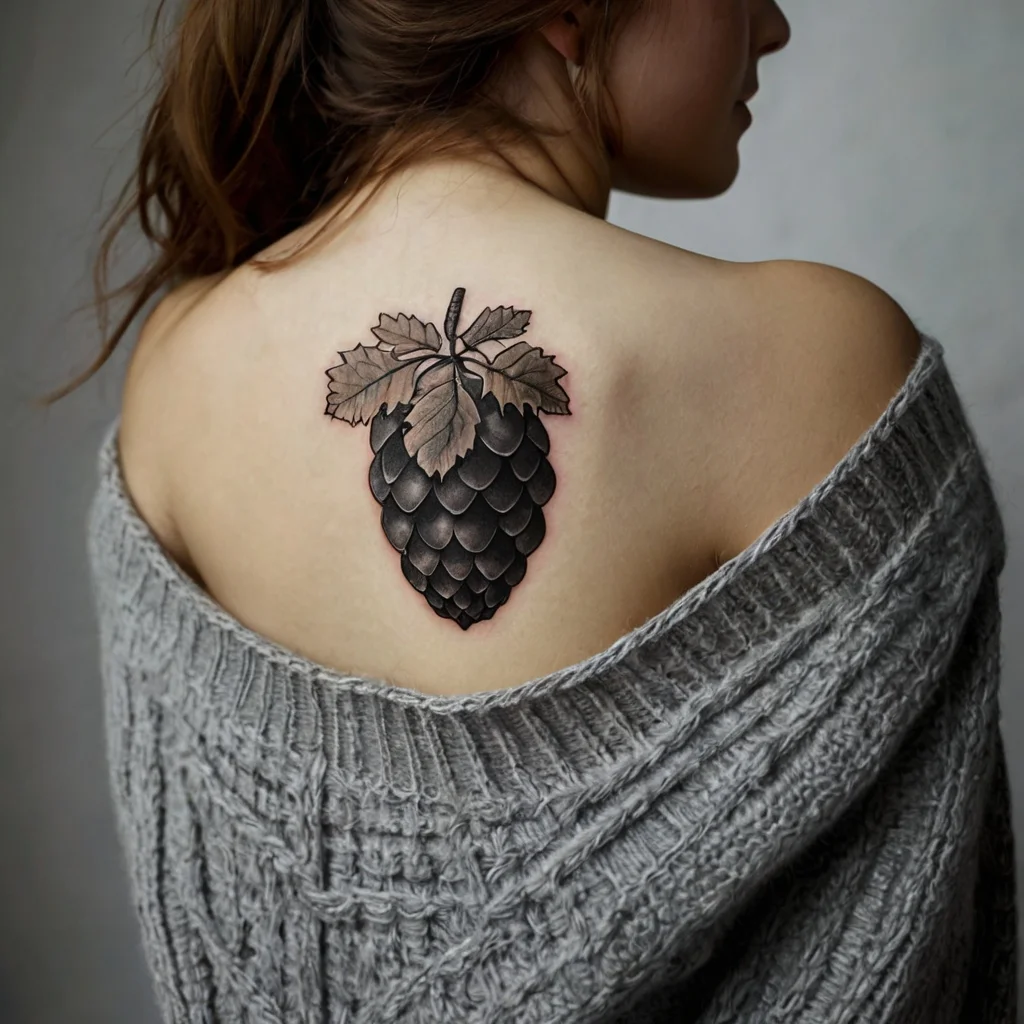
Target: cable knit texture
x=781, y=799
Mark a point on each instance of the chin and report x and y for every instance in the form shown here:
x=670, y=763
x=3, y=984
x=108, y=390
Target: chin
x=689, y=182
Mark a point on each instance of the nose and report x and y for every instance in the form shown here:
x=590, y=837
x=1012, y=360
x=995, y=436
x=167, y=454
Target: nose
x=774, y=30
x=779, y=32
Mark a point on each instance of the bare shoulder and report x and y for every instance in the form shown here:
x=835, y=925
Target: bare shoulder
x=156, y=383
x=824, y=352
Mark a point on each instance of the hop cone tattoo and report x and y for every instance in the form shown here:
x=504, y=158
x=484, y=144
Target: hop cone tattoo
x=460, y=464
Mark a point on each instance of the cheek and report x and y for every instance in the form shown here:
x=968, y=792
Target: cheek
x=676, y=75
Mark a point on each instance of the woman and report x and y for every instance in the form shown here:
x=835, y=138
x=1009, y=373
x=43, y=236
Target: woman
x=508, y=617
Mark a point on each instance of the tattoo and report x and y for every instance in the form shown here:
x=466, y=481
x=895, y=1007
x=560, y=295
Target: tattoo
x=460, y=463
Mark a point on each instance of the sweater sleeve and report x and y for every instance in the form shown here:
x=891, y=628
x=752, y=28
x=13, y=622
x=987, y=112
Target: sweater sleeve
x=992, y=982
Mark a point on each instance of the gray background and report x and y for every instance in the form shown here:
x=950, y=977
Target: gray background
x=888, y=139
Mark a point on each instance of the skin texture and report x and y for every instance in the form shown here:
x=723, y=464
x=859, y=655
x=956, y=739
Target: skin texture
x=264, y=501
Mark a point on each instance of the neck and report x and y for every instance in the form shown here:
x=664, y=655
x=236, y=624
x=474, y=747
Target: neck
x=562, y=168
x=569, y=167
x=493, y=178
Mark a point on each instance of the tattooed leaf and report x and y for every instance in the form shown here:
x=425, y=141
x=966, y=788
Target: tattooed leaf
x=405, y=334
x=503, y=322
x=521, y=374
x=367, y=377
x=442, y=420
x=489, y=349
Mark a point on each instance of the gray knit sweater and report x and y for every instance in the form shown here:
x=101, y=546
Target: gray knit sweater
x=781, y=799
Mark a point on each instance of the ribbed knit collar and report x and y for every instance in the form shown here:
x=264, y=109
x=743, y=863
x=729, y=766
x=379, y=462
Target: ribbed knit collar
x=709, y=648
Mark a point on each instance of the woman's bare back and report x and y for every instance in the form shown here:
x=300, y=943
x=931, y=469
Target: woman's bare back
x=265, y=500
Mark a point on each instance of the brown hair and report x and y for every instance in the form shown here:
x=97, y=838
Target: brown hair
x=270, y=110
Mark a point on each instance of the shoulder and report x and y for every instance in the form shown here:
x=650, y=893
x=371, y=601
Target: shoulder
x=157, y=381
x=823, y=353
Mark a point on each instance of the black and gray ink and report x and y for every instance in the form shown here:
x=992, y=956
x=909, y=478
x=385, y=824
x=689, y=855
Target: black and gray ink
x=460, y=457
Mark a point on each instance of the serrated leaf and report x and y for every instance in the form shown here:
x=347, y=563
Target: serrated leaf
x=521, y=374
x=489, y=349
x=367, y=377
x=503, y=322
x=442, y=420
x=404, y=334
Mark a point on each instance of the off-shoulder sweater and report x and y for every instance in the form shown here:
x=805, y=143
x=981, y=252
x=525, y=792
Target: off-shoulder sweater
x=783, y=798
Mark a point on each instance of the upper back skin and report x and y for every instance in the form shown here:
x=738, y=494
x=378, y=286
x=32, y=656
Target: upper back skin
x=706, y=398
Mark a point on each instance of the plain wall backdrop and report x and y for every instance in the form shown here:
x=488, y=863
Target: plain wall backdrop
x=888, y=139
